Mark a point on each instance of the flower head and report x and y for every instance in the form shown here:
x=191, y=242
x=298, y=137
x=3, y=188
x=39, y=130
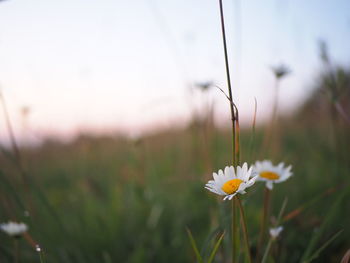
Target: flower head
x=272, y=174
x=280, y=71
x=275, y=231
x=230, y=181
x=14, y=229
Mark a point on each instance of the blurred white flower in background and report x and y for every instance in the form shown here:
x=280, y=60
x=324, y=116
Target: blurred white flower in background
x=275, y=231
x=14, y=229
x=272, y=174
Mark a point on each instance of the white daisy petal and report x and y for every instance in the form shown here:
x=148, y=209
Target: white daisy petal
x=216, y=177
x=269, y=185
x=227, y=171
x=238, y=172
x=248, y=173
x=245, y=167
x=232, y=172
x=231, y=196
x=226, y=197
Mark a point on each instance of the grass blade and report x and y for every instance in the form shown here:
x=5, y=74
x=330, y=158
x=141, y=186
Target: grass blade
x=318, y=251
x=194, y=246
x=215, y=249
x=317, y=235
x=269, y=244
x=300, y=209
x=205, y=248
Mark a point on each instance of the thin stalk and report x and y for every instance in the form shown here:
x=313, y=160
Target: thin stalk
x=269, y=244
x=275, y=102
x=245, y=231
x=40, y=252
x=270, y=129
x=233, y=123
x=17, y=158
x=237, y=144
x=267, y=251
x=252, y=140
x=234, y=230
x=228, y=83
x=342, y=112
x=264, y=219
x=15, y=250
x=9, y=128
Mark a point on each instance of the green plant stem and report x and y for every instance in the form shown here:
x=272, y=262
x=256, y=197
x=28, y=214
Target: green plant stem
x=264, y=219
x=270, y=129
x=9, y=127
x=17, y=157
x=15, y=250
x=275, y=102
x=234, y=230
x=233, y=119
x=228, y=83
x=252, y=139
x=237, y=143
x=268, y=247
x=245, y=231
x=40, y=252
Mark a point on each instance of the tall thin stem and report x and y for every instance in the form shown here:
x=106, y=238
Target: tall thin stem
x=270, y=131
x=10, y=130
x=275, y=102
x=268, y=247
x=228, y=83
x=234, y=230
x=16, y=152
x=233, y=119
x=269, y=244
x=15, y=250
x=237, y=143
x=264, y=219
x=245, y=231
x=40, y=252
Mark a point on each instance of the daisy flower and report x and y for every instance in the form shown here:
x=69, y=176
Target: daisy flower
x=231, y=181
x=14, y=229
x=272, y=174
x=275, y=231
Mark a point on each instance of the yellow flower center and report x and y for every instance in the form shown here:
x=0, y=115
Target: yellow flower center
x=231, y=186
x=269, y=175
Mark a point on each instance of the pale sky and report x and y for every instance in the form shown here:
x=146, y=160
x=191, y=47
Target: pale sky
x=128, y=65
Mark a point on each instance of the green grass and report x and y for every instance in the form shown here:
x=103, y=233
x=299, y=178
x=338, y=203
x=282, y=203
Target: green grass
x=119, y=200
x=113, y=199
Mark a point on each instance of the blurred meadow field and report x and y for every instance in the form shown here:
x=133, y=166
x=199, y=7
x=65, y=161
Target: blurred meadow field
x=89, y=174
x=116, y=199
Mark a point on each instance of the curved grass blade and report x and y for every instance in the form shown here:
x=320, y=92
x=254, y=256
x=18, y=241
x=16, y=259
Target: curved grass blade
x=317, y=235
x=9, y=188
x=318, y=251
x=301, y=208
x=205, y=248
x=194, y=246
x=215, y=249
x=269, y=244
